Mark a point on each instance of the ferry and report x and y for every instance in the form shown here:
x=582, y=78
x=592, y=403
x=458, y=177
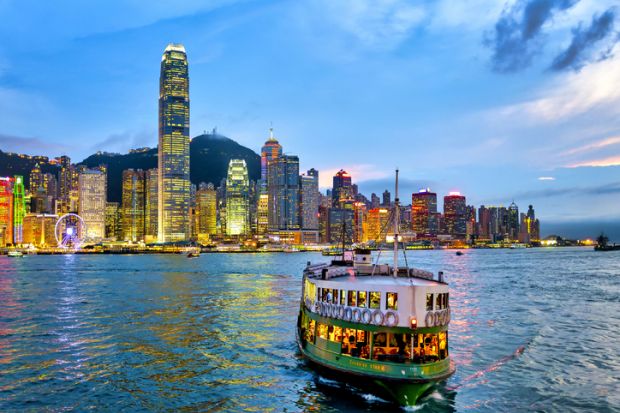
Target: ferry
x=15, y=254
x=381, y=328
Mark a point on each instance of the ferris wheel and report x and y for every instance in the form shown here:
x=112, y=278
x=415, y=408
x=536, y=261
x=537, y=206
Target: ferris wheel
x=70, y=231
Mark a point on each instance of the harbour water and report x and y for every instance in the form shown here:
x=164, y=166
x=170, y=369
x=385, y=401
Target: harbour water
x=532, y=330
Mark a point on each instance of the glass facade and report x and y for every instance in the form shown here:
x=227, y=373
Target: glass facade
x=134, y=205
x=173, y=150
x=92, y=186
x=237, y=198
x=283, y=179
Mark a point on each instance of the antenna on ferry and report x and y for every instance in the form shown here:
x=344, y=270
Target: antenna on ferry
x=396, y=226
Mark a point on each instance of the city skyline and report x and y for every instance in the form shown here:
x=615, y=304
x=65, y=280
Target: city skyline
x=528, y=130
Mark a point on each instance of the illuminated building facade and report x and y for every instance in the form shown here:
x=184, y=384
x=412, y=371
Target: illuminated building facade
x=151, y=205
x=513, y=221
x=113, y=221
x=92, y=186
x=133, y=205
x=67, y=186
x=342, y=189
x=19, y=209
x=39, y=229
x=424, y=213
x=270, y=151
x=360, y=222
x=309, y=201
x=173, y=150
x=283, y=181
x=341, y=226
x=455, y=216
x=378, y=220
x=237, y=198
x=387, y=199
x=6, y=211
x=206, y=206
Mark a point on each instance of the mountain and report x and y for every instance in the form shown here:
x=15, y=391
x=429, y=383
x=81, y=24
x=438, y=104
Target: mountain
x=209, y=156
x=17, y=164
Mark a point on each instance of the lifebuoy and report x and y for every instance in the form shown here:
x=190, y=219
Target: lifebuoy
x=317, y=307
x=366, y=316
x=357, y=315
x=347, y=314
x=449, y=316
x=437, y=318
x=394, y=316
x=341, y=312
x=429, y=320
x=377, y=321
x=324, y=309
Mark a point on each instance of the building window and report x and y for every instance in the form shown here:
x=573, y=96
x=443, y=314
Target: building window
x=361, y=298
x=429, y=302
x=352, y=299
x=392, y=301
x=375, y=299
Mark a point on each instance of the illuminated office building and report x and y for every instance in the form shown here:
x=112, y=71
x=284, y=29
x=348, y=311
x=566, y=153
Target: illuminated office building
x=309, y=200
x=283, y=181
x=113, y=221
x=387, y=199
x=455, y=215
x=424, y=213
x=92, y=186
x=19, y=209
x=36, y=179
x=39, y=229
x=133, y=205
x=378, y=220
x=341, y=189
x=513, y=221
x=67, y=186
x=206, y=205
x=6, y=211
x=270, y=151
x=237, y=198
x=341, y=226
x=173, y=150
x=151, y=205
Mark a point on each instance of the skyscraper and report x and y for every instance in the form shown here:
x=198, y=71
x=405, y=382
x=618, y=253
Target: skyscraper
x=341, y=189
x=455, y=215
x=151, y=205
x=92, y=186
x=19, y=209
x=513, y=221
x=237, y=198
x=206, y=205
x=283, y=179
x=68, y=186
x=309, y=200
x=173, y=151
x=387, y=199
x=424, y=213
x=270, y=151
x=133, y=205
x=6, y=212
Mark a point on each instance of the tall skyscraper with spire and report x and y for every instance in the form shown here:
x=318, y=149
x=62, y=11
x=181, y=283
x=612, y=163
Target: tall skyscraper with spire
x=173, y=151
x=271, y=151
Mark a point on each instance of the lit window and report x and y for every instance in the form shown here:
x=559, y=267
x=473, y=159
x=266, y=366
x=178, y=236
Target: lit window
x=429, y=302
x=352, y=302
x=375, y=299
x=361, y=298
x=392, y=301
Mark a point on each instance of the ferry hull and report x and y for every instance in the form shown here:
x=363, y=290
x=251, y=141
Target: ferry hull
x=403, y=392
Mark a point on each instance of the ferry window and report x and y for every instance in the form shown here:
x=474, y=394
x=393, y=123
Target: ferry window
x=335, y=334
x=355, y=343
x=429, y=302
x=361, y=298
x=343, y=297
x=310, y=331
x=335, y=298
x=391, y=347
x=322, y=331
x=392, y=301
x=445, y=298
x=352, y=299
x=443, y=345
x=375, y=299
x=319, y=295
x=429, y=348
x=438, y=302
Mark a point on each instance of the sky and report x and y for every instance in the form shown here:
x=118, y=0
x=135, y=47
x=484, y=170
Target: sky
x=501, y=100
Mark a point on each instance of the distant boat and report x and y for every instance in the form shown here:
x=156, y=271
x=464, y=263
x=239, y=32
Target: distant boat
x=15, y=254
x=602, y=244
x=459, y=253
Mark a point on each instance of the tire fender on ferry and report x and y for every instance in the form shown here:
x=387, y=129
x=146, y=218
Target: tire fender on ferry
x=378, y=318
x=448, y=316
x=437, y=318
x=356, y=315
x=394, y=316
x=340, y=312
x=347, y=314
x=366, y=316
x=429, y=320
x=317, y=307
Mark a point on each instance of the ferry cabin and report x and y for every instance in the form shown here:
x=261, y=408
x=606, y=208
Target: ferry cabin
x=349, y=313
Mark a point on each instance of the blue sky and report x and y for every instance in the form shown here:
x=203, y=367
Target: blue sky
x=485, y=97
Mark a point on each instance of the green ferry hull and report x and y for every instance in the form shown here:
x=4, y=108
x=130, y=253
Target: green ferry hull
x=405, y=392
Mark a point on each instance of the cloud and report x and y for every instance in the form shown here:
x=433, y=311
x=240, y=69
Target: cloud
x=608, y=161
x=546, y=178
x=612, y=140
x=517, y=32
x=361, y=172
x=19, y=144
x=584, y=39
x=124, y=141
x=607, y=189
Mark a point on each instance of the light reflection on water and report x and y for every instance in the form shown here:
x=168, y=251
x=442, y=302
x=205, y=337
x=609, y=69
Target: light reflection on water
x=531, y=330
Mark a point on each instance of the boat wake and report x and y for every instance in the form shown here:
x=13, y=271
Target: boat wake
x=493, y=367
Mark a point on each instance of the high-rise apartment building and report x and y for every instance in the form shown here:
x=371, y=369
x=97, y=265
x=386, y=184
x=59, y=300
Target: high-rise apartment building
x=424, y=213
x=113, y=224
x=92, y=187
x=151, y=205
x=455, y=215
x=173, y=150
x=133, y=205
x=237, y=198
x=67, y=186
